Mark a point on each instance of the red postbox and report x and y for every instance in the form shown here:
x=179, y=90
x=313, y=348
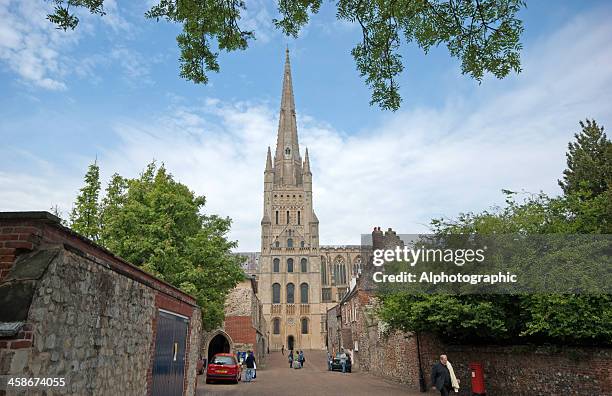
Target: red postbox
x=478, y=385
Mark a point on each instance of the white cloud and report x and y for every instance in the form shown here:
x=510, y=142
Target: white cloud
x=42, y=55
x=113, y=18
x=30, y=46
x=416, y=165
x=258, y=18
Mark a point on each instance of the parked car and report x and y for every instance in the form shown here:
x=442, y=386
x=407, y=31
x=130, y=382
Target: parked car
x=223, y=366
x=336, y=365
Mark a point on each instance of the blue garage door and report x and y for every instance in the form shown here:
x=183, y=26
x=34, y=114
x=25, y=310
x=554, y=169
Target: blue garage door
x=169, y=361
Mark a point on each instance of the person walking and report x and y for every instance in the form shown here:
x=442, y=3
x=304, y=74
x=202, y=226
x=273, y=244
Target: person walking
x=443, y=377
x=290, y=358
x=329, y=361
x=343, y=360
x=283, y=350
x=250, y=366
x=302, y=359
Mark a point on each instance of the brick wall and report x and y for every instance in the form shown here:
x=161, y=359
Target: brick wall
x=16, y=237
x=91, y=318
x=509, y=370
x=240, y=328
x=527, y=369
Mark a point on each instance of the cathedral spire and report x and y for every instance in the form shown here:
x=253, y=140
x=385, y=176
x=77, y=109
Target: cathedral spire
x=306, y=163
x=269, y=161
x=287, y=160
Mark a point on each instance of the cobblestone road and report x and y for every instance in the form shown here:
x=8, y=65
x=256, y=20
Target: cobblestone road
x=313, y=380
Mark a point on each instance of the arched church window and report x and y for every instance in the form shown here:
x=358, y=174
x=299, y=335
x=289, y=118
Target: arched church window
x=357, y=266
x=277, y=217
x=288, y=217
x=276, y=293
x=290, y=242
x=323, y=272
x=289, y=265
x=276, y=244
x=276, y=326
x=287, y=151
x=304, y=265
x=276, y=265
x=339, y=271
x=290, y=293
x=302, y=244
x=304, y=293
x=304, y=326
x=299, y=218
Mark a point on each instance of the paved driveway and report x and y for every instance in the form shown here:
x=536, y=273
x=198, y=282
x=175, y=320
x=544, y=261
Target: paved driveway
x=313, y=380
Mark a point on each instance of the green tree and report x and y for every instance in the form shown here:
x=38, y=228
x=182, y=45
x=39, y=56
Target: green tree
x=589, y=162
x=156, y=223
x=585, y=208
x=112, y=204
x=483, y=34
x=85, y=216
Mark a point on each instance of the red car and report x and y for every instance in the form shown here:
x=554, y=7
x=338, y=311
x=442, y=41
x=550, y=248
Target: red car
x=223, y=366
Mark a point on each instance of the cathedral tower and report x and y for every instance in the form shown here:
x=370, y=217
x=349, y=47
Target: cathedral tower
x=289, y=267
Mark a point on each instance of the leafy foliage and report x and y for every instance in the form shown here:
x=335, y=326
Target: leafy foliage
x=585, y=208
x=85, y=216
x=483, y=34
x=64, y=19
x=155, y=222
x=589, y=161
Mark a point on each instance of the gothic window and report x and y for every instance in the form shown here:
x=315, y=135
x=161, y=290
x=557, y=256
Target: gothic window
x=277, y=217
x=276, y=244
x=290, y=243
x=299, y=217
x=302, y=244
x=357, y=266
x=290, y=293
x=304, y=293
x=288, y=217
x=304, y=326
x=276, y=265
x=287, y=151
x=323, y=272
x=276, y=293
x=326, y=294
x=304, y=265
x=289, y=265
x=339, y=271
x=276, y=326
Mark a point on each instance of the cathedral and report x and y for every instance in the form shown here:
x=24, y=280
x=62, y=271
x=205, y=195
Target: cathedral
x=298, y=279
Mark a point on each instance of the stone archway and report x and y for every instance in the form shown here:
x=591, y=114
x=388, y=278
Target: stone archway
x=219, y=343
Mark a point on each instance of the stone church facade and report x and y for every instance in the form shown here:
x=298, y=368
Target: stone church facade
x=299, y=279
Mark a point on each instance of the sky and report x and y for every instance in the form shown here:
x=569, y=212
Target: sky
x=111, y=91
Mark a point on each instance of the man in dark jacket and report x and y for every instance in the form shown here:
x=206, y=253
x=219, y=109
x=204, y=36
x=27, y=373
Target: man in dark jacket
x=250, y=366
x=440, y=376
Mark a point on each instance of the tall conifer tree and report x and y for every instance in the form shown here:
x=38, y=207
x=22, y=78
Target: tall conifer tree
x=85, y=215
x=589, y=162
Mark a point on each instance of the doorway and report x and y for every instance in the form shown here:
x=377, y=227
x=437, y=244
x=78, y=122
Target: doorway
x=169, y=358
x=290, y=342
x=218, y=344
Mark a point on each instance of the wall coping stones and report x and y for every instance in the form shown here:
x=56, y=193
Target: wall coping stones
x=85, y=247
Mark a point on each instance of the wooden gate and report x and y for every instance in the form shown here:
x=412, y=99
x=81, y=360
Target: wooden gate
x=169, y=360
